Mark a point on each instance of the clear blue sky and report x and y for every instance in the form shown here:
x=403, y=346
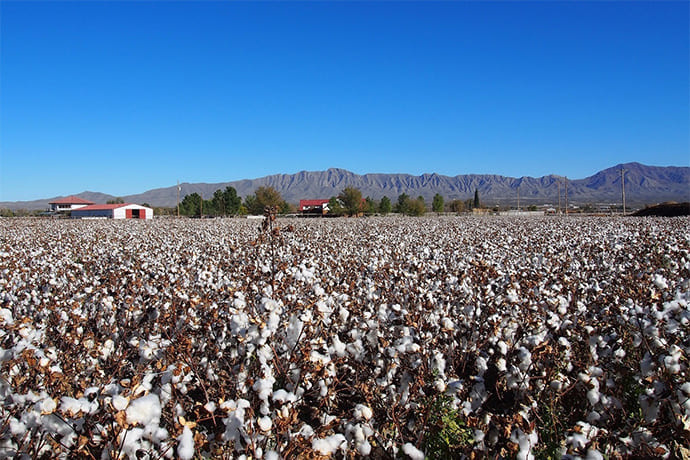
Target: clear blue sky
x=122, y=97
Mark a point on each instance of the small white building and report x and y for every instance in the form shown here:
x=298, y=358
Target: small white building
x=68, y=203
x=113, y=211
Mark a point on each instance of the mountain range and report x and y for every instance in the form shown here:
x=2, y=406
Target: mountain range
x=643, y=185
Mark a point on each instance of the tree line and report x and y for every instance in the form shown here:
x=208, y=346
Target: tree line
x=228, y=203
x=348, y=202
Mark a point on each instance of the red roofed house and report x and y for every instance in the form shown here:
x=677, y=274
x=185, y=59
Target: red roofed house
x=313, y=206
x=68, y=203
x=113, y=211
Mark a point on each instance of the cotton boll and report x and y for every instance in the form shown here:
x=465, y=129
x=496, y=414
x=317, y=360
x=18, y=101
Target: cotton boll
x=47, y=406
x=364, y=448
x=271, y=455
x=362, y=412
x=411, y=451
x=660, y=282
x=328, y=445
x=144, y=410
x=120, y=402
x=210, y=407
x=264, y=388
x=501, y=365
x=440, y=385
x=482, y=365
x=338, y=347
x=525, y=443
x=265, y=423
x=306, y=431
x=672, y=361
x=576, y=440
x=283, y=396
x=185, y=448
x=593, y=396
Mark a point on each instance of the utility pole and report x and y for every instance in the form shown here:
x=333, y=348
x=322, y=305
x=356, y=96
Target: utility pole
x=566, y=195
x=201, y=205
x=623, y=187
x=559, y=197
x=178, y=198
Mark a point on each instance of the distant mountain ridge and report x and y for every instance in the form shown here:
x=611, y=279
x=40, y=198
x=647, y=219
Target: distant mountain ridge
x=643, y=185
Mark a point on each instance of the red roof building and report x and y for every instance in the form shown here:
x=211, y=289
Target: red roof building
x=314, y=206
x=113, y=211
x=68, y=203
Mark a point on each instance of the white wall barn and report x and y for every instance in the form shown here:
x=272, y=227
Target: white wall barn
x=113, y=211
x=68, y=203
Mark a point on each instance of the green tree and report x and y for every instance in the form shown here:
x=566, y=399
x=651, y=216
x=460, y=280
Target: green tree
x=352, y=200
x=417, y=207
x=218, y=203
x=191, y=205
x=385, y=205
x=250, y=205
x=335, y=207
x=118, y=200
x=286, y=208
x=232, y=201
x=456, y=206
x=476, y=199
x=209, y=208
x=403, y=205
x=370, y=206
x=262, y=197
x=437, y=203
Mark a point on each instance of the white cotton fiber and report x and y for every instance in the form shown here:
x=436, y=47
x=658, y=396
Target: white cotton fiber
x=328, y=445
x=144, y=410
x=362, y=412
x=120, y=402
x=411, y=451
x=185, y=450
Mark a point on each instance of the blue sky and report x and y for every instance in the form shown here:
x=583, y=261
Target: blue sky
x=123, y=97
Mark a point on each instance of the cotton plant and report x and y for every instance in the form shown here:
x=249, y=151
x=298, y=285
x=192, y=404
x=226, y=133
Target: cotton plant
x=345, y=337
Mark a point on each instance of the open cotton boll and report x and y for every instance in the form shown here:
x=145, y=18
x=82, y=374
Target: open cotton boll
x=576, y=440
x=338, y=347
x=6, y=316
x=185, y=448
x=264, y=388
x=660, y=282
x=672, y=361
x=145, y=410
x=271, y=455
x=264, y=423
x=74, y=406
x=525, y=443
x=411, y=451
x=47, y=406
x=120, y=402
x=362, y=412
x=328, y=445
x=283, y=396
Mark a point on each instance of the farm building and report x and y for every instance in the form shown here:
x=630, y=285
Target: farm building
x=68, y=203
x=113, y=211
x=313, y=206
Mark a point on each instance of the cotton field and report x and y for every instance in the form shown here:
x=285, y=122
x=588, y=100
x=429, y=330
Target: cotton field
x=444, y=337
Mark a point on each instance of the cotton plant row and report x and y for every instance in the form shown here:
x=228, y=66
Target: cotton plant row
x=345, y=338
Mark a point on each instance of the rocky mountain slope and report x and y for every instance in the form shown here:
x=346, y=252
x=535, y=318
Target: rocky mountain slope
x=643, y=185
